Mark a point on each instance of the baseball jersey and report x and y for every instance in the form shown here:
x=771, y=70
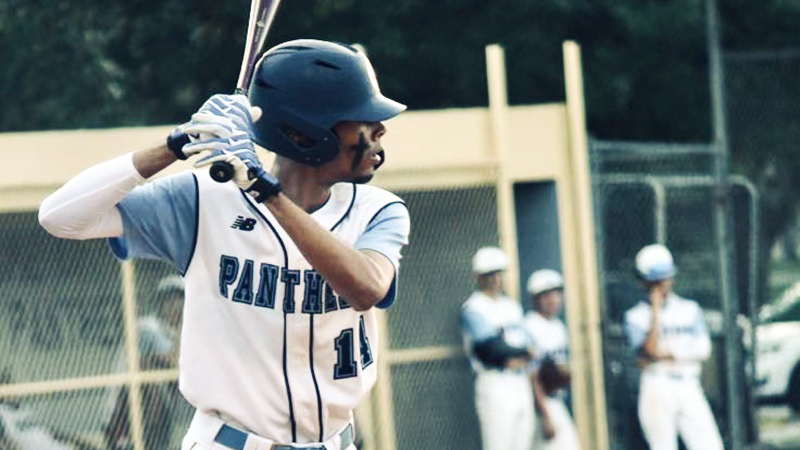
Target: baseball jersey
x=550, y=338
x=483, y=317
x=266, y=343
x=683, y=334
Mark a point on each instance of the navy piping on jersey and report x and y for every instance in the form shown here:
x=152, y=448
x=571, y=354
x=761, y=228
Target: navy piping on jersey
x=349, y=208
x=314, y=375
x=286, y=266
x=384, y=207
x=196, y=226
x=311, y=325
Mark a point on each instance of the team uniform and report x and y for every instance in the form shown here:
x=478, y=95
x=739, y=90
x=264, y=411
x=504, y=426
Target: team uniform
x=503, y=396
x=671, y=399
x=551, y=341
x=314, y=355
x=271, y=356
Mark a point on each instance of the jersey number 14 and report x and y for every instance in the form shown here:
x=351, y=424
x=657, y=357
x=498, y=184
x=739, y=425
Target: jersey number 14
x=346, y=365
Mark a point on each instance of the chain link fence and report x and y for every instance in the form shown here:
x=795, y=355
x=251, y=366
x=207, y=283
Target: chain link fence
x=62, y=342
x=763, y=106
x=61, y=307
x=433, y=396
x=663, y=193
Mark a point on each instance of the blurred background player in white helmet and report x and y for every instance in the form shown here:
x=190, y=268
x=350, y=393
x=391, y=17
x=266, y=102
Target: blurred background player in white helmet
x=159, y=331
x=671, y=340
x=499, y=350
x=556, y=429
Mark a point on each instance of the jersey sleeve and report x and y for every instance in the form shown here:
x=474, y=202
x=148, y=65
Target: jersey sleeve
x=159, y=221
x=387, y=233
x=153, y=341
x=475, y=326
x=635, y=332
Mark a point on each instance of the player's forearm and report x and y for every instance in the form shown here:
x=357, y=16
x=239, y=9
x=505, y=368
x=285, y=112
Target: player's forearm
x=539, y=395
x=150, y=161
x=362, y=278
x=650, y=347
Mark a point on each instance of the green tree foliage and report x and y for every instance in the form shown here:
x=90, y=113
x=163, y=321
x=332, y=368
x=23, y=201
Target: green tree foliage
x=89, y=64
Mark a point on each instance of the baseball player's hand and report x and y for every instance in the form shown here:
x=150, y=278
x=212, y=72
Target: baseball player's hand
x=658, y=292
x=248, y=173
x=517, y=363
x=216, y=125
x=548, y=429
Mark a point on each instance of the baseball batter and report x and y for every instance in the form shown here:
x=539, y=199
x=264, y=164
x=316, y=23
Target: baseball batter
x=556, y=429
x=283, y=268
x=671, y=340
x=498, y=347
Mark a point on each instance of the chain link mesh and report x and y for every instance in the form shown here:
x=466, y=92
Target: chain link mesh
x=763, y=105
x=433, y=398
x=649, y=193
x=62, y=322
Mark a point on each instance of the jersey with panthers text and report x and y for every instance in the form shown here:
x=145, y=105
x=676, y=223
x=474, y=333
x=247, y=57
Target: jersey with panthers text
x=683, y=334
x=266, y=343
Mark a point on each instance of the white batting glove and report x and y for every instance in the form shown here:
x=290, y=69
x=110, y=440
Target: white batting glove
x=219, y=123
x=248, y=173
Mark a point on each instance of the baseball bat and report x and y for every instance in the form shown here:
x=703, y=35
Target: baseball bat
x=262, y=12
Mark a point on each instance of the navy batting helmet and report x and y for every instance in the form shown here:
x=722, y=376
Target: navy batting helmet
x=304, y=88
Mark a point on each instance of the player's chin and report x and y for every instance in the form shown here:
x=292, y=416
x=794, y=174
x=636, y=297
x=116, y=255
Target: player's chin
x=363, y=179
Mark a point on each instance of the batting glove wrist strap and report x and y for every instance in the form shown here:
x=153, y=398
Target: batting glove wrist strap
x=248, y=173
x=175, y=142
x=264, y=187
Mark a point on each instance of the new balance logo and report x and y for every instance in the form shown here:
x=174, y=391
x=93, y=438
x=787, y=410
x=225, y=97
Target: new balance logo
x=244, y=224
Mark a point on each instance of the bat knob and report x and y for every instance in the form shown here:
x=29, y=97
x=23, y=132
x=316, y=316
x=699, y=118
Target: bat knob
x=221, y=172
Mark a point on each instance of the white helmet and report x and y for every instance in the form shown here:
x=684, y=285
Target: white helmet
x=654, y=263
x=170, y=283
x=544, y=280
x=489, y=259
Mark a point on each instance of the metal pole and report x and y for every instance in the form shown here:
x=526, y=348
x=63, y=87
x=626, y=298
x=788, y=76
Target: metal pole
x=722, y=217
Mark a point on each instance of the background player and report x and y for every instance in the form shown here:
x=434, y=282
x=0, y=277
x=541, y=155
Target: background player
x=498, y=348
x=671, y=340
x=158, y=349
x=556, y=429
x=282, y=268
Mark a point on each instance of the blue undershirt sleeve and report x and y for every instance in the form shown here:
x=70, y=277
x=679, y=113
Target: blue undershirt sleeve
x=387, y=234
x=475, y=325
x=159, y=221
x=636, y=335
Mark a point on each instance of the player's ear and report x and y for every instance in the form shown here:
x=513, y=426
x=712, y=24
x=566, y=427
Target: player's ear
x=255, y=113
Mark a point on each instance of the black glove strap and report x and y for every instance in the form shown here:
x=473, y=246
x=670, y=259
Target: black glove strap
x=264, y=188
x=175, y=142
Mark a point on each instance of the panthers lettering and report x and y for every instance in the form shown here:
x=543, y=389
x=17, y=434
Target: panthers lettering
x=316, y=350
x=263, y=287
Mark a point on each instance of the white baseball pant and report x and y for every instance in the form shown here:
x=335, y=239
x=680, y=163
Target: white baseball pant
x=566, y=437
x=673, y=404
x=504, y=400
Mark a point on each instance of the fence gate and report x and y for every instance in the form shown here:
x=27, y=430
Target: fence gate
x=648, y=193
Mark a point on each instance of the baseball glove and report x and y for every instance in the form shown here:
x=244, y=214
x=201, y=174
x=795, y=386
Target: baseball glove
x=552, y=376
